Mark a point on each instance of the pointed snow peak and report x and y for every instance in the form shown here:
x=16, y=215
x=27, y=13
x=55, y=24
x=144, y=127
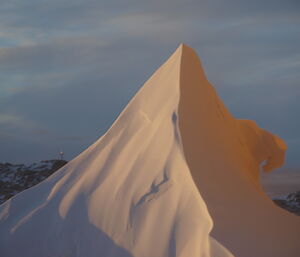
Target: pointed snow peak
x=183, y=45
x=173, y=162
x=185, y=50
x=190, y=66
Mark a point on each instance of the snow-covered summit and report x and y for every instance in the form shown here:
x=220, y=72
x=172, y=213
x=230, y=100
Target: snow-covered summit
x=175, y=175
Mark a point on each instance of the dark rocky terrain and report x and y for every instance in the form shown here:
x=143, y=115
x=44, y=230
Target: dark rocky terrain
x=15, y=178
x=290, y=202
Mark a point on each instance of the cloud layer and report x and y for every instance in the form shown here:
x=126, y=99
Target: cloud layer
x=69, y=67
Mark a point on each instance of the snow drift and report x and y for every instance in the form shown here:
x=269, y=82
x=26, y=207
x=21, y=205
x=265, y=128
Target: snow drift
x=174, y=172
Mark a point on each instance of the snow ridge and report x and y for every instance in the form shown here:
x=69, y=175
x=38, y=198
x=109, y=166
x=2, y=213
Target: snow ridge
x=169, y=178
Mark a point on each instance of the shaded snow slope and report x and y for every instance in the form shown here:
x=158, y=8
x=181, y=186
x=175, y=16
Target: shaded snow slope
x=174, y=166
x=129, y=194
x=224, y=156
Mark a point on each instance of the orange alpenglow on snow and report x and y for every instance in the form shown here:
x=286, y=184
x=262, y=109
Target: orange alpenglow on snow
x=176, y=175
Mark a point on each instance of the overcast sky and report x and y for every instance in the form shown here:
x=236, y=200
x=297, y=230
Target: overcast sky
x=68, y=67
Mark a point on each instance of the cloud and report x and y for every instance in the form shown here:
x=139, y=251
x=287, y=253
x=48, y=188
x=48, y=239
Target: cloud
x=9, y=119
x=12, y=121
x=69, y=67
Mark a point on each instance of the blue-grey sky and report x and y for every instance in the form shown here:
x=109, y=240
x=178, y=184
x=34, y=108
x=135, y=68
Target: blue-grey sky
x=68, y=67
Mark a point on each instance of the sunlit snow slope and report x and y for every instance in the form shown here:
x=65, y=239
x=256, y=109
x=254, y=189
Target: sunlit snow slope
x=135, y=191
x=129, y=194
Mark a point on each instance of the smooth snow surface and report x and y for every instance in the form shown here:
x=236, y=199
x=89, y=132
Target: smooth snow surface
x=135, y=191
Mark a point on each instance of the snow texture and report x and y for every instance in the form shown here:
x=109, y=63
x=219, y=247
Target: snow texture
x=175, y=175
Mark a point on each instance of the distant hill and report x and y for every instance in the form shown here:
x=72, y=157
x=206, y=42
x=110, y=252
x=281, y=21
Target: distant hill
x=290, y=202
x=15, y=178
